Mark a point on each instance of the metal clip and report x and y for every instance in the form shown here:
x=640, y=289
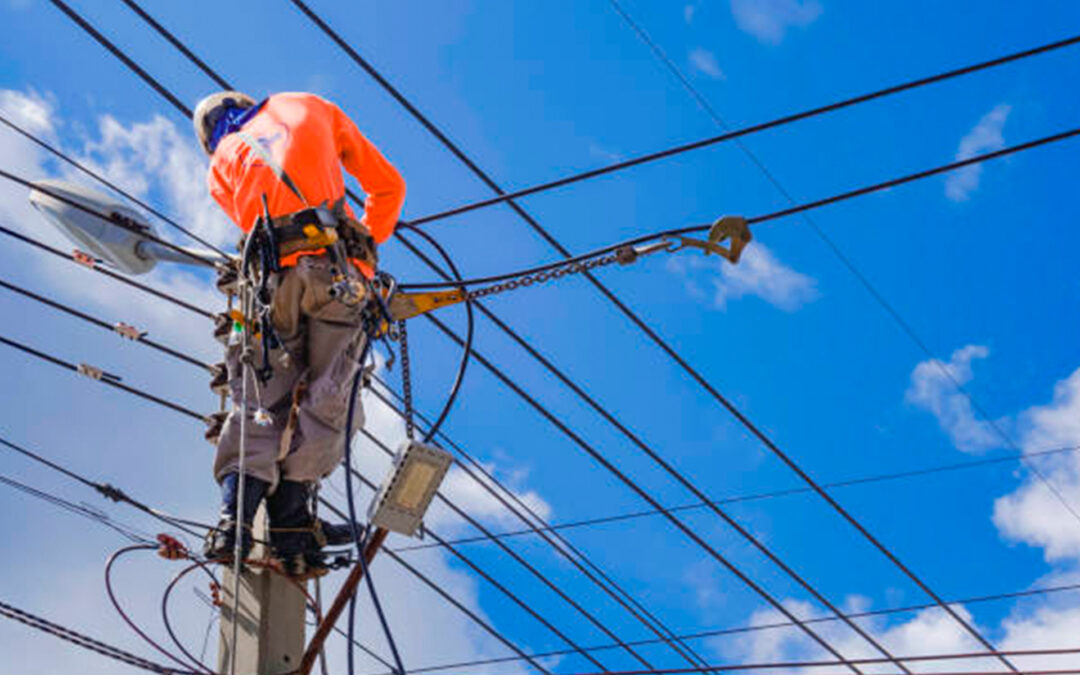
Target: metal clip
x=93, y=372
x=733, y=228
x=128, y=331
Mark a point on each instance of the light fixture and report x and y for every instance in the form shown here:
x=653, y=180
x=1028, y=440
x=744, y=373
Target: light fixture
x=405, y=495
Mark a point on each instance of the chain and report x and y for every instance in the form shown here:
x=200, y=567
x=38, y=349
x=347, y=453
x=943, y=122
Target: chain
x=406, y=381
x=79, y=639
x=619, y=256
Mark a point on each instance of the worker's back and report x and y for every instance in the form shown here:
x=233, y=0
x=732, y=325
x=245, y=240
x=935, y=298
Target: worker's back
x=310, y=138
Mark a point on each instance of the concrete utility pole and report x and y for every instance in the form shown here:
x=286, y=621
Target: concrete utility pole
x=269, y=617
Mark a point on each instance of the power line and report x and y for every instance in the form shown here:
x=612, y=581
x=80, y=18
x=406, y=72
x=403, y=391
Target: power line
x=101, y=269
x=655, y=337
x=844, y=259
x=794, y=210
x=202, y=65
x=802, y=474
x=758, y=496
x=485, y=575
x=491, y=630
x=106, y=378
x=559, y=544
x=108, y=491
x=126, y=531
x=745, y=131
x=756, y=628
x=141, y=338
x=85, y=641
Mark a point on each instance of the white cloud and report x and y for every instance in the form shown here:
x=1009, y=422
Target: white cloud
x=758, y=273
x=1033, y=514
x=768, y=20
x=705, y=62
x=928, y=632
x=935, y=387
x=986, y=136
x=688, y=13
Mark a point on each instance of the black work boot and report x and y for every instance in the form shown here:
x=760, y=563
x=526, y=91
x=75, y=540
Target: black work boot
x=338, y=534
x=295, y=534
x=221, y=541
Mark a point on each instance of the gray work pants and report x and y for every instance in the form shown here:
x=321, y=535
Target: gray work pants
x=308, y=395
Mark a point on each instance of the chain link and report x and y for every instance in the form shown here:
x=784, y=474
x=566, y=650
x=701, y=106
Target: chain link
x=579, y=267
x=406, y=381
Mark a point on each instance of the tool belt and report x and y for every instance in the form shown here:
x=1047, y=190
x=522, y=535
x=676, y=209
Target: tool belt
x=317, y=228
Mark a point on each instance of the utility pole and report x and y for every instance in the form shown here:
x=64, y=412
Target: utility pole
x=269, y=617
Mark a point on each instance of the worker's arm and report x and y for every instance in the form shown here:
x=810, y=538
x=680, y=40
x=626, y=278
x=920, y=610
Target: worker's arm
x=383, y=184
x=221, y=192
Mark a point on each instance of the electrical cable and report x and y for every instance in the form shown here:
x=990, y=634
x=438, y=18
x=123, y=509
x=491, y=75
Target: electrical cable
x=100, y=269
x=487, y=576
x=106, y=379
x=758, y=496
x=120, y=610
x=195, y=564
x=473, y=616
x=757, y=627
x=782, y=213
x=111, y=492
x=589, y=616
x=779, y=606
x=84, y=641
x=104, y=324
x=112, y=186
x=359, y=540
x=865, y=661
x=745, y=131
x=562, y=546
x=867, y=534
x=128, y=532
x=842, y=257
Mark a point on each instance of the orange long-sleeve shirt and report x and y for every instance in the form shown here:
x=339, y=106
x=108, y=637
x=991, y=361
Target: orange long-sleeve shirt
x=311, y=139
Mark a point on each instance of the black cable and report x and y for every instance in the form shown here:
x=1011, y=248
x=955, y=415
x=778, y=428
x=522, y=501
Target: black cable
x=844, y=259
x=359, y=540
x=104, y=181
x=473, y=616
x=165, y=612
x=109, y=380
x=656, y=338
x=104, y=324
x=126, y=531
x=524, y=563
x=486, y=576
x=466, y=350
x=84, y=641
x=120, y=610
x=799, y=208
x=99, y=268
x=667, y=348
x=183, y=109
x=645, y=513
x=780, y=121
x=755, y=628
x=562, y=546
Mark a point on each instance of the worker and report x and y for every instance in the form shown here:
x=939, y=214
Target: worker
x=275, y=169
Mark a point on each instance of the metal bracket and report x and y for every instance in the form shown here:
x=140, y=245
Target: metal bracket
x=128, y=331
x=728, y=228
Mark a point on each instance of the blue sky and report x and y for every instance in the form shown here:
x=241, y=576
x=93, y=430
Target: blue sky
x=980, y=265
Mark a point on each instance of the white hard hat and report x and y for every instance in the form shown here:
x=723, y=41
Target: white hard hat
x=209, y=111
